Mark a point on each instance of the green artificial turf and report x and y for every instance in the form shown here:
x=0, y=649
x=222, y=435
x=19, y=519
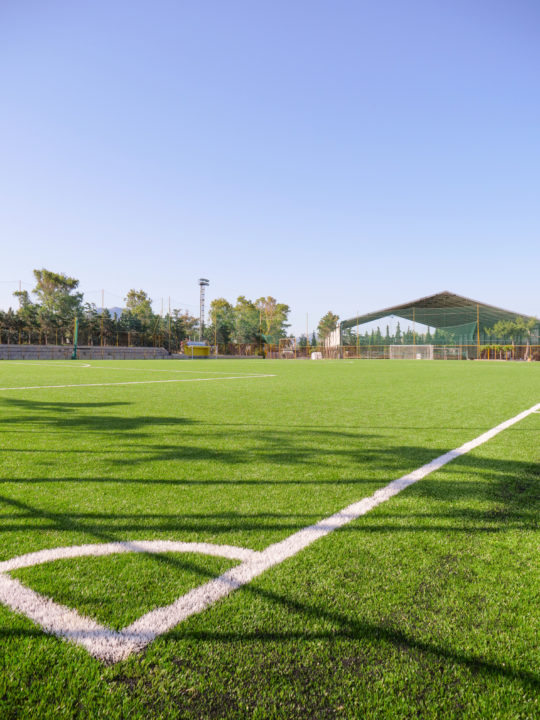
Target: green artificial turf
x=118, y=589
x=426, y=607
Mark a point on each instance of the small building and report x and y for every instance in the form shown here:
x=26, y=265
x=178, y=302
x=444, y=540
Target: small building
x=195, y=349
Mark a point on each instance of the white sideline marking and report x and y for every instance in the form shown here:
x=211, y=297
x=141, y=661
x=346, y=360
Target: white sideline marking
x=111, y=646
x=161, y=370
x=57, y=364
x=137, y=382
x=63, y=364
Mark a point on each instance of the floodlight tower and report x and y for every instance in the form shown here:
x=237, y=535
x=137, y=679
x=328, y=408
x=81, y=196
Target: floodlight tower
x=203, y=283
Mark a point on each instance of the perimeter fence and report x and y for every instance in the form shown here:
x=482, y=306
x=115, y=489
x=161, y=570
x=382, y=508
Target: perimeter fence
x=403, y=352
x=288, y=349
x=91, y=338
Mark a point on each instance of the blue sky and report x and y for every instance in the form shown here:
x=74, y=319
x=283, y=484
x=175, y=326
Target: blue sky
x=341, y=155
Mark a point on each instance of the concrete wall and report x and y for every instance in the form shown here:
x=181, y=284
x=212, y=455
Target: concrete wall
x=85, y=352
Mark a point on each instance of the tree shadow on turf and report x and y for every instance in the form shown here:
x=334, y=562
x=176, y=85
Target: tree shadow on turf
x=508, y=484
x=67, y=415
x=348, y=628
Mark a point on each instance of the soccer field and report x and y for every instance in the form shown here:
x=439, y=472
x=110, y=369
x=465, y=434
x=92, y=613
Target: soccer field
x=426, y=605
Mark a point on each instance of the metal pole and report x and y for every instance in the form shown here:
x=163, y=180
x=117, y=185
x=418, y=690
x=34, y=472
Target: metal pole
x=477, y=331
x=169, y=323
x=102, y=310
x=75, y=338
x=203, y=283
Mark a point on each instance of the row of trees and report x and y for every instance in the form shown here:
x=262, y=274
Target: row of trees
x=329, y=323
x=516, y=331
x=256, y=322
x=47, y=316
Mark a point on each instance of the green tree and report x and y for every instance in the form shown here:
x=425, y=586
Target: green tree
x=327, y=324
x=139, y=304
x=58, y=303
x=27, y=315
x=247, y=321
x=348, y=337
x=56, y=292
x=272, y=318
x=23, y=296
x=525, y=327
x=222, y=321
x=89, y=324
x=514, y=329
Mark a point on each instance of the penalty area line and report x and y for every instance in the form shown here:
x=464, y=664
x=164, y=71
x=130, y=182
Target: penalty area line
x=138, y=382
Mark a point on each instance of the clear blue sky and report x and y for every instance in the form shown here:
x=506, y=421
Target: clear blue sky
x=341, y=155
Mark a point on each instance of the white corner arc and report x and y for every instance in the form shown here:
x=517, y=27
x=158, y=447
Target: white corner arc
x=113, y=646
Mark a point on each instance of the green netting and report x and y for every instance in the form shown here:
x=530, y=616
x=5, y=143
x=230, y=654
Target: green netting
x=464, y=334
x=450, y=314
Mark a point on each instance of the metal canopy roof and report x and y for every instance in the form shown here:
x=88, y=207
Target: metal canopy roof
x=444, y=309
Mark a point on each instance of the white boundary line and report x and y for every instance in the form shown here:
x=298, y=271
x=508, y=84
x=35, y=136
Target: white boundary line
x=72, y=366
x=137, y=382
x=111, y=646
x=29, y=363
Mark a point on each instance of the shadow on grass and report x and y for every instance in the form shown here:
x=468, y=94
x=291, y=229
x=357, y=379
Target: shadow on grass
x=67, y=523
x=350, y=628
x=67, y=415
x=509, y=487
x=228, y=443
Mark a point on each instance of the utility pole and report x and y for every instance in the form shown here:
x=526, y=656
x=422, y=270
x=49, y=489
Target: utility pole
x=203, y=283
x=102, y=311
x=169, y=323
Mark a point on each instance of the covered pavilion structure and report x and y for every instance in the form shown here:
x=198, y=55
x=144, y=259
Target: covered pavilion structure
x=459, y=320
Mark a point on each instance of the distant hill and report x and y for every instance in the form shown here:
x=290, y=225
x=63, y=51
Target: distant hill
x=115, y=311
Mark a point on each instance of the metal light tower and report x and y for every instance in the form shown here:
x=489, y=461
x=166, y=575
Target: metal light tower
x=203, y=283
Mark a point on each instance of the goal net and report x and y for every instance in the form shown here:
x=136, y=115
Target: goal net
x=411, y=352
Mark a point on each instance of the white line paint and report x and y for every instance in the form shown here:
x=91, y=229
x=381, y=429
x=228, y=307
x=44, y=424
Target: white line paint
x=114, y=548
x=56, y=364
x=161, y=370
x=102, y=642
x=137, y=382
x=111, y=646
x=79, y=366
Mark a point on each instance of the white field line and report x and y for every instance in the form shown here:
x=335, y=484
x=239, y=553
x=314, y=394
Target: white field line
x=111, y=646
x=137, y=382
x=60, y=364
x=161, y=370
x=57, y=364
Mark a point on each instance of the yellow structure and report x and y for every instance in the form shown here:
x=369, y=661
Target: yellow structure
x=197, y=350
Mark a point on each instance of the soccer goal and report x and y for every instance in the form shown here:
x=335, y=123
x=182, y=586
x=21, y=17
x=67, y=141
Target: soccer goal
x=411, y=352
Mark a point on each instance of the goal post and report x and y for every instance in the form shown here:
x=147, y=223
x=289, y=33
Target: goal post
x=411, y=352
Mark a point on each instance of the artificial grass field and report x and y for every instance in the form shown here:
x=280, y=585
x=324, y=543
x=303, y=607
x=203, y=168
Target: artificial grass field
x=426, y=607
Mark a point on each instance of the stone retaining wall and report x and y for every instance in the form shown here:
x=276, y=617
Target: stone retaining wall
x=84, y=352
